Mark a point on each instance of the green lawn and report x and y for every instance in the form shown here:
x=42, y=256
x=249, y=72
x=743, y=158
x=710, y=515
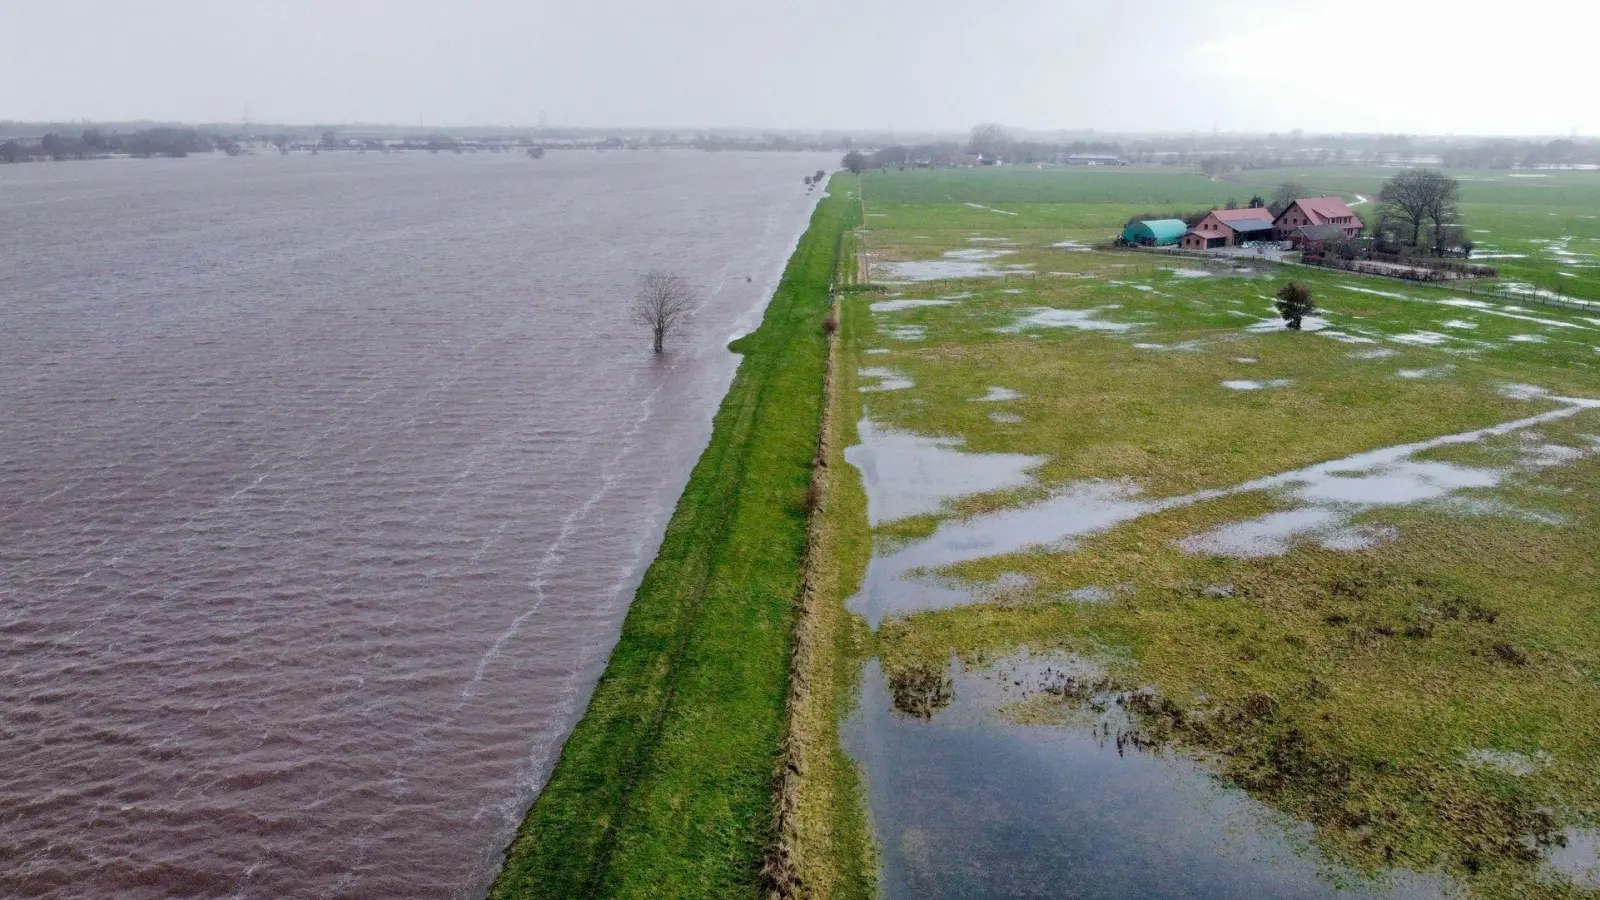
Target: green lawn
x=1350, y=688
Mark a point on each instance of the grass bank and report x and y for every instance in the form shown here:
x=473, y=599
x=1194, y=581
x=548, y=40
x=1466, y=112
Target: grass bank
x=825, y=848
x=664, y=788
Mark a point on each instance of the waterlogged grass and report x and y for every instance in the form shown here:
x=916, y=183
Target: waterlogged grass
x=664, y=788
x=1428, y=702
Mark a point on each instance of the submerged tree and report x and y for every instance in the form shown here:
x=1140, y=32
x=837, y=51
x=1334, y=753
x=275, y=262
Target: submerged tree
x=854, y=161
x=1294, y=303
x=664, y=303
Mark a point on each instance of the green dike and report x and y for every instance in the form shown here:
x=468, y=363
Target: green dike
x=664, y=788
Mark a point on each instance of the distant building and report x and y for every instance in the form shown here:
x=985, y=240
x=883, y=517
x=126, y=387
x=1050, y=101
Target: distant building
x=1317, y=211
x=1229, y=228
x=1095, y=159
x=1155, y=232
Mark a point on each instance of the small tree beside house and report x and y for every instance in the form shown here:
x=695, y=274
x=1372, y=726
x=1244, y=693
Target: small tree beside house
x=1294, y=304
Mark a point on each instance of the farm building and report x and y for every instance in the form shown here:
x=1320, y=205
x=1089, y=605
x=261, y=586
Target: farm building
x=1314, y=236
x=1154, y=232
x=1317, y=211
x=1095, y=159
x=1229, y=228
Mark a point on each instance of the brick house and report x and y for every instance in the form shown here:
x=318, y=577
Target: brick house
x=1313, y=211
x=1229, y=228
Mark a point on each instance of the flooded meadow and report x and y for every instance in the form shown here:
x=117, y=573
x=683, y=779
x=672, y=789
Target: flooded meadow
x=1167, y=600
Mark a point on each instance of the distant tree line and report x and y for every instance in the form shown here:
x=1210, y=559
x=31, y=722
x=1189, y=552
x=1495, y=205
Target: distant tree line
x=93, y=143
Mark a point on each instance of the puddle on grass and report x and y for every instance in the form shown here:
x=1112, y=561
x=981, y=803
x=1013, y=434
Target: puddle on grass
x=887, y=306
x=1331, y=494
x=1276, y=323
x=888, y=380
x=1421, y=338
x=912, y=271
x=1375, y=353
x=991, y=209
x=1081, y=319
x=907, y=332
x=1073, y=247
x=1325, y=496
x=997, y=394
x=967, y=802
x=1435, y=372
x=1245, y=384
x=1005, y=418
x=1578, y=857
x=908, y=474
x=1508, y=761
x=1463, y=324
x=1528, y=339
x=1346, y=338
x=977, y=253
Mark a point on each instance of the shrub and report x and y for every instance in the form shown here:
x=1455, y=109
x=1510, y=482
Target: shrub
x=1294, y=303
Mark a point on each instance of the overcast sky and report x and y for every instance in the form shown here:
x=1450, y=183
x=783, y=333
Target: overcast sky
x=910, y=65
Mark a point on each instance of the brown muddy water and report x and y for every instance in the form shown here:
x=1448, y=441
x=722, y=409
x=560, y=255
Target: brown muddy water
x=325, y=482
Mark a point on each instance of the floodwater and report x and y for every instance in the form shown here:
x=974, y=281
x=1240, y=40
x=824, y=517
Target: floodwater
x=1326, y=498
x=968, y=803
x=325, y=483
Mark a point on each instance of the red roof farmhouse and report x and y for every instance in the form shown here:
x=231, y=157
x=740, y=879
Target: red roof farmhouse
x=1229, y=228
x=1318, y=211
x=1232, y=227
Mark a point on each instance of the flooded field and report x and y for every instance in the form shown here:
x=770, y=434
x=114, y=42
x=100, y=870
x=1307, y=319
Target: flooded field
x=325, y=484
x=981, y=803
x=1167, y=600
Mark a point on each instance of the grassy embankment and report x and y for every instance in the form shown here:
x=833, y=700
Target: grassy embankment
x=826, y=849
x=1431, y=701
x=664, y=788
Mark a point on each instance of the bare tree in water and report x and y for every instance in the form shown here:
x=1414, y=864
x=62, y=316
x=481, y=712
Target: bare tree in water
x=664, y=304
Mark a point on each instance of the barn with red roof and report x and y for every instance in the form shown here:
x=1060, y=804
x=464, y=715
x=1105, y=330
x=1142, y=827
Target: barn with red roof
x=1312, y=211
x=1229, y=228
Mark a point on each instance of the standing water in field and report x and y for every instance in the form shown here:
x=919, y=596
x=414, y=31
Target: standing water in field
x=326, y=482
x=968, y=802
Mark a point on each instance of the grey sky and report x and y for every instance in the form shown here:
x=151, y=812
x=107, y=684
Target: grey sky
x=909, y=64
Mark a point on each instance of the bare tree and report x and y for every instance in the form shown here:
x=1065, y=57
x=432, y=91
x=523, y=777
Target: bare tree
x=989, y=140
x=1418, y=196
x=664, y=303
x=1285, y=194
